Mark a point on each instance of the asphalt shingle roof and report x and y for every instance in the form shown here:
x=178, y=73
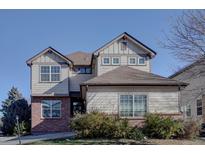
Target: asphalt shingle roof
x=80, y=58
x=125, y=75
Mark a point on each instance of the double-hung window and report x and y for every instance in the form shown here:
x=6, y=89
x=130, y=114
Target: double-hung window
x=51, y=109
x=133, y=105
x=50, y=73
x=199, y=106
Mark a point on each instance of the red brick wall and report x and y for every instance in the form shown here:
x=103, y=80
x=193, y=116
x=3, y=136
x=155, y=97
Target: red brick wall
x=50, y=125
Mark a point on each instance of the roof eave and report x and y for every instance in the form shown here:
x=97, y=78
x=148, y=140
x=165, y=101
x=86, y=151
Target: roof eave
x=29, y=61
x=131, y=84
x=152, y=52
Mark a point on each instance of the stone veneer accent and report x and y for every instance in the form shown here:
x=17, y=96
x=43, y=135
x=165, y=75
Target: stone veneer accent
x=40, y=124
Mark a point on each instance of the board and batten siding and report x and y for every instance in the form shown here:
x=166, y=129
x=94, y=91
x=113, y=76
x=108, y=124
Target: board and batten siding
x=106, y=98
x=114, y=50
x=49, y=88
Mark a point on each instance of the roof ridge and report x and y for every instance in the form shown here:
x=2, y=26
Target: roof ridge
x=74, y=52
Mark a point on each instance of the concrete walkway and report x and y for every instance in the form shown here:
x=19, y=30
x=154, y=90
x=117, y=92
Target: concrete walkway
x=33, y=138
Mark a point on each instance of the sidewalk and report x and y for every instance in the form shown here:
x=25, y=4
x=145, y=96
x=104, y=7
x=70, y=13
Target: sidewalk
x=33, y=138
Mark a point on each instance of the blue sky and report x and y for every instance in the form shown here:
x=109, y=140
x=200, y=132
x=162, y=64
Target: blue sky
x=24, y=33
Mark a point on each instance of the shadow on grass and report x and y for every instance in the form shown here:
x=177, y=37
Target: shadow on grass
x=90, y=142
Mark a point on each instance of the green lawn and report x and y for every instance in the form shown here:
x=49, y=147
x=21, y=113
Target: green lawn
x=88, y=142
x=118, y=142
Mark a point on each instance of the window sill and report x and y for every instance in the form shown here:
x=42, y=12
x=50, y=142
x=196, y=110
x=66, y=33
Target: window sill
x=133, y=118
x=51, y=118
x=132, y=64
x=50, y=82
x=106, y=64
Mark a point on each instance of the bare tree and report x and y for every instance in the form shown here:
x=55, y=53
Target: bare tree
x=187, y=37
x=186, y=42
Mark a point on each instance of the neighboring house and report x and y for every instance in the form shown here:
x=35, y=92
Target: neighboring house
x=192, y=97
x=115, y=79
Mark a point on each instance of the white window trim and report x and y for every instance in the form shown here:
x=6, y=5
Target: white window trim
x=103, y=61
x=51, y=110
x=133, y=94
x=117, y=58
x=49, y=74
x=129, y=61
x=139, y=61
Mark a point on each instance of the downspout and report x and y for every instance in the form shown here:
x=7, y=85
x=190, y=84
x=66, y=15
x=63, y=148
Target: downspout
x=181, y=106
x=81, y=95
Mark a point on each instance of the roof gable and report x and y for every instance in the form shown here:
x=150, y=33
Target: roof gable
x=131, y=38
x=189, y=66
x=49, y=49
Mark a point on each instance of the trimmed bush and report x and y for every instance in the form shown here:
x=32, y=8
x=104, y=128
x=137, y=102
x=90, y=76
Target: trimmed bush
x=100, y=125
x=160, y=127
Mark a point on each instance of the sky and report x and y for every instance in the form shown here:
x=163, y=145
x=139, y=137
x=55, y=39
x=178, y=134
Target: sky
x=24, y=33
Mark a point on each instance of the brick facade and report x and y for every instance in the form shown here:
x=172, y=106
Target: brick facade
x=40, y=124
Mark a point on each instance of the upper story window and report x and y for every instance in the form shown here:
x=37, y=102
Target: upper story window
x=199, y=106
x=124, y=45
x=115, y=61
x=141, y=61
x=51, y=109
x=132, y=60
x=50, y=73
x=84, y=70
x=106, y=60
x=133, y=105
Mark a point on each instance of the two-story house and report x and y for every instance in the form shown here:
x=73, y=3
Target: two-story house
x=193, y=95
x=115, y=79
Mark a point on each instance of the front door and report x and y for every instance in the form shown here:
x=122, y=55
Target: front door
x=76, y=106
